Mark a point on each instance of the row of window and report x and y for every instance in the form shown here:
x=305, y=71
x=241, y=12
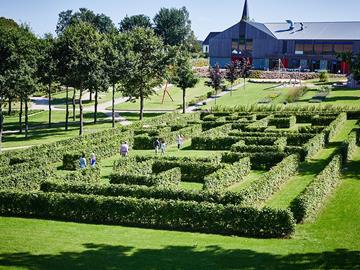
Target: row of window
x=241, y=44
x=325, y=48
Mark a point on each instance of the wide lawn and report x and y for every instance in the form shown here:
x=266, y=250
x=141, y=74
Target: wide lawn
x=155, y=101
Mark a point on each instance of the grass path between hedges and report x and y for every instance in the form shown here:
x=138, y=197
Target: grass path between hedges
x=308, y=171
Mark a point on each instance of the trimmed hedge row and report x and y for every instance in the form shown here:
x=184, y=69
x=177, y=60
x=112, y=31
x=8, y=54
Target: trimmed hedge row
x=270, y=182
x=169, y=177
x=89, y=175
x=259, y=161
x=71, y=161
x=28, y=179
x=174, y=215
x=228, y=175
x=283, y=122
x=335, y=127
x=349, y=147
x=314, y=145
x=308, y=203
x=190, y=171
x=238, y=147
x=137, y=191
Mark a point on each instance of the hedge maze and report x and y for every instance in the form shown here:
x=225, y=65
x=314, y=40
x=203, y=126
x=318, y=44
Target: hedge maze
x=145, y=191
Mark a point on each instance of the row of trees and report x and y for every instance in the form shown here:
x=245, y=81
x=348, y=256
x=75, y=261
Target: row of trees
x=90, y=53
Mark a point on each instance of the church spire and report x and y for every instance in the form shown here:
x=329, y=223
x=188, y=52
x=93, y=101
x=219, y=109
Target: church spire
x=245, y=15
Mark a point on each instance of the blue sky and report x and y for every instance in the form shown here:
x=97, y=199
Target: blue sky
x=206, y=15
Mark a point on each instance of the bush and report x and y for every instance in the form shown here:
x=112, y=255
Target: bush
x=174, y=215
x=295, y=93
x=228, y=175
x=168, y=177
x=335, y=127
x=270, y=182
x=259, y=161
x=323, y=76
x=71, y=161
x=286, y=122
x=308, y=203
x=89, y=175
x=349, y=147
x=190, y=171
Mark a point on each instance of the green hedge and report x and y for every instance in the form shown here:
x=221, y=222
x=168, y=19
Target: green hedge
x=259, y=161
x=136, y=165
x=228, y=175
x=335, y=127
x=283, y=122
x=349, y=147
x=71, y=161
x=314, y=145
x=256, y=148
x=190, y=171
x=173, y=215
x=308, y=203
x=270, y=182
x=170, y=177
x=89, y=175
x=28, y=179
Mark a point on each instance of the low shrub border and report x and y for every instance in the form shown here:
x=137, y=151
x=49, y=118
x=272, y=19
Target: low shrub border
x=349, y=147
x=228, y=175
x=173, y=215
x=270, y=182
x=308, y=203
x=259, y=161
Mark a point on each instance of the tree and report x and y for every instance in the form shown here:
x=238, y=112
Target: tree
x=130, y=23
x=232, y=74
x=146, y=65
x=244, y=67
x=101, y=22
x=81, y=45
x=47, y=66
x=216, y=80
x=116, y=51
x=184, y=76
x=173, y=25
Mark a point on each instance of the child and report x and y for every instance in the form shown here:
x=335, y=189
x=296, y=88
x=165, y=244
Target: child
x=179, y=141
x=92, y=160
x=83, y=162
x=156, y=146
x=162, y=147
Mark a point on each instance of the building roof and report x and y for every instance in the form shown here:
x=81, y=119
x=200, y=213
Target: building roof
x=210, y=36
x=314, y=30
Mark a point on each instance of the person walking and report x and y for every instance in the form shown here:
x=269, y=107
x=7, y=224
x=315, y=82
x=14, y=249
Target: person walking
x=83, y=162
x=92, y=160
x=157, y=146
x=163, y=147
x=179, y=141
x=124, y=149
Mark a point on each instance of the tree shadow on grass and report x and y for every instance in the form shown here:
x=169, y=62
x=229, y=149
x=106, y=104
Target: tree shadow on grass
x=180, y=257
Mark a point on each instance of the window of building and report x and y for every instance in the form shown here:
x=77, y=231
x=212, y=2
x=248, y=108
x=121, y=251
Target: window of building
x=235, y=46
x=249, y=45
x=327, y=49
x=348, y=48
x=308, y=49
x=339, y=48
x=318, y=48
x=299, y=48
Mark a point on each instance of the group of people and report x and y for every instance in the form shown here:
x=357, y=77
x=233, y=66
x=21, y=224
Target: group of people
x=159, y=146
x=83, y=161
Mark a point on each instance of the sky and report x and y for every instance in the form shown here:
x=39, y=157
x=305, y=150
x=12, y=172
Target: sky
x=206, y=15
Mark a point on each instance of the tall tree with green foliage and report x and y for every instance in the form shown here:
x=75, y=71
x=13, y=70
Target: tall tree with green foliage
x=173, y=25
x=47, y=66
x=81, y=44
x=184, y=75
x=146, y=65
x=101, y=22
x=216, y=80
x=132, y=22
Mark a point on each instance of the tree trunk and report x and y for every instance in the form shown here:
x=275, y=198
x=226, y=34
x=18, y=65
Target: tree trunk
x=96, y=106
x=184, y=100
x=231, y=89
x=81, y=113
x=26, y=118
x=49, y=104
x=244, y=82
x=1, y=122
x=67, y=109
x=216, y=95
x=9, y=107
x=113, y=106
x=141, y=105
x=74, y=105
x=20, y=115
x=90, y=95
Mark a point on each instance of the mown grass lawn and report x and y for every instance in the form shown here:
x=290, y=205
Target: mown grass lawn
x=155, y=101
